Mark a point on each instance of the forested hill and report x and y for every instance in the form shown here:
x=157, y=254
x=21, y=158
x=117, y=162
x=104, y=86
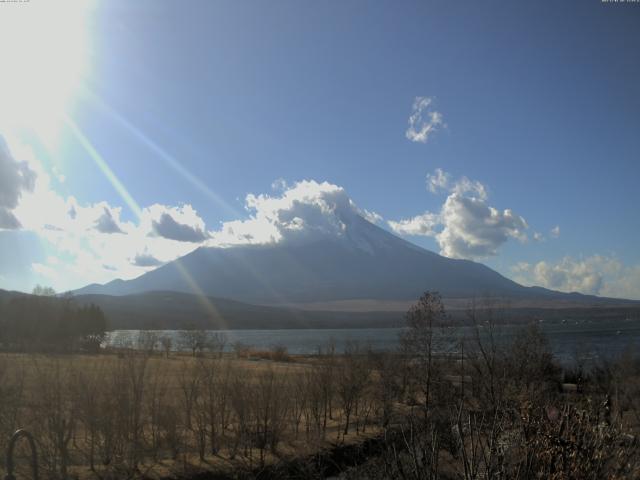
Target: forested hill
x=39, y=322
x=70, y=320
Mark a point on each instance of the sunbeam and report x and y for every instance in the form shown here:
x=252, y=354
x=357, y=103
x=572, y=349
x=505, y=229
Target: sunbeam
x=103, y=166
x=169, y=159
x=135, y=208
x=176, y=165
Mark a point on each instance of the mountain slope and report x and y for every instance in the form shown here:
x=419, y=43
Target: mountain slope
x=363, y=262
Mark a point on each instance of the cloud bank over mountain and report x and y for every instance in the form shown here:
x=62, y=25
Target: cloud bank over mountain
x=96, y=242
x=302, y=211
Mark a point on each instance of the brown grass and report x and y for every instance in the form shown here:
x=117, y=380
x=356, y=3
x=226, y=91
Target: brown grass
x=136, y=401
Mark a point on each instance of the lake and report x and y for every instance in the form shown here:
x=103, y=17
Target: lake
x=589, y=340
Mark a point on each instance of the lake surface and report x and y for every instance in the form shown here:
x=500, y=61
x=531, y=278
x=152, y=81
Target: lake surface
x=589, y=340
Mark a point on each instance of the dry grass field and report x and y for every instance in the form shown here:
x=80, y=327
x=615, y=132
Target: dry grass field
x=132, y=414
x=492, y=410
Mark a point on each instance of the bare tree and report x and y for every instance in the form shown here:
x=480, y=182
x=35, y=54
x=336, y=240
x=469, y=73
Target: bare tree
x=315, y=405
x=532, y=370
x=87, y=393
x=487, y=353
x=213, y=400
x=269, y=411
x=127, y=384
x=215, y=343
x=156, y=403
x=194, y=340
x=326, y=378
x=387, y=386
x=167, y=342
x=55, y=415
x=420, y=342
x=189, y=384
x=298, y=393
x=241, y=396
x=353, y=376
x=43, y=291
x=147, y=341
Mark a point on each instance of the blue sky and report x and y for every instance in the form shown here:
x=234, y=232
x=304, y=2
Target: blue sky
x=537, y=101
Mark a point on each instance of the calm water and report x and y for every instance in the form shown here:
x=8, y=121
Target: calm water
x=589, y=340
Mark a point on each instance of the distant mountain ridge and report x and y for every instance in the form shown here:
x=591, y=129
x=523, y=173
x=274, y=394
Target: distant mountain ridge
x=173, y=310
x=364, y=262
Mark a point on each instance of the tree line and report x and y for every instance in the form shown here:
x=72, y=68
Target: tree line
x=46, y=322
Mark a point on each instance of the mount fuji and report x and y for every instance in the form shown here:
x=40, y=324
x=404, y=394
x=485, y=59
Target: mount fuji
x=356, y=261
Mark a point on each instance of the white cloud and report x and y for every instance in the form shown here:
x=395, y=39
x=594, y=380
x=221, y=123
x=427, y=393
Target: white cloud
x=473, y=229
x=553, y=233
x=465, y=186
x=466, y=226
x=93, y=256
x=426, y=224
x=438, y=180
x=307, y=208
x=423, y=121
x=94, y=241
x=279, y=185
x=594, y=275
x=109, y=221
x=175, y=223
x=373, y=217
x=146, y=260
x=16, y=178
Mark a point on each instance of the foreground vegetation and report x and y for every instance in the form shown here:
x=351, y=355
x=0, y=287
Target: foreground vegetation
x=490, y=408
x=506, y=410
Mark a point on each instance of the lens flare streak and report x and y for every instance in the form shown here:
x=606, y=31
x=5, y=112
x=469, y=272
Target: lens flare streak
x=206, y=303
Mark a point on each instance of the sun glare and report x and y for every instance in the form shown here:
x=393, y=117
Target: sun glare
x=44, y=54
